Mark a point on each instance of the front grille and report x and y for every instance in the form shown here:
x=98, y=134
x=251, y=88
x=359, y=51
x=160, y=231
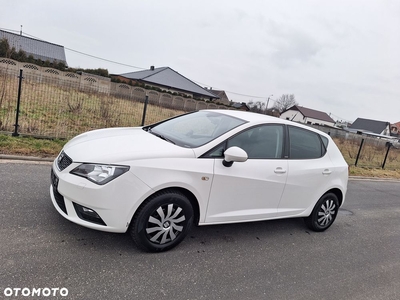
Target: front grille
x=57, y=196
x=63, y=161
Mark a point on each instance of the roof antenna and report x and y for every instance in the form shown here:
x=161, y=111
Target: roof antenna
x=20, y=33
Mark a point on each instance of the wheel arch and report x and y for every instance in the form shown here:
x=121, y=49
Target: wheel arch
x=338, y=193
x=191, y=197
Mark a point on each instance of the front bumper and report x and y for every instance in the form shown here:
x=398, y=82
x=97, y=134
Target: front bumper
x=114, y=202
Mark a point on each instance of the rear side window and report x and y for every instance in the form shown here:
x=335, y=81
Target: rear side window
x=305, y=144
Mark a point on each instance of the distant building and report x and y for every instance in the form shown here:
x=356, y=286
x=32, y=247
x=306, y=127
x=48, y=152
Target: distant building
x=167, y=80
x=306, y=115
x=342, y=124
x=223, y=97
x=42, y=50
x=241, y=106
x=370, y=126
x=395, y=129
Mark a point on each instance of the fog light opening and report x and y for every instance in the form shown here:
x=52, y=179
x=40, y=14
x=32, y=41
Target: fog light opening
x=88, y=214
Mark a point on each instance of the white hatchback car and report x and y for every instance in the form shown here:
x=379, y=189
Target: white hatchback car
x=205, y=167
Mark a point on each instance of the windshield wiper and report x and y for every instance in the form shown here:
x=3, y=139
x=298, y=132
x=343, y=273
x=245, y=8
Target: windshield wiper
x=161, y=136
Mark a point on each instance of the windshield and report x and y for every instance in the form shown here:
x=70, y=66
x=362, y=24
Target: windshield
x=194, y=129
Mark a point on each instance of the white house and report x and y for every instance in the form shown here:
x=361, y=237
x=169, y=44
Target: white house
x=307, y=116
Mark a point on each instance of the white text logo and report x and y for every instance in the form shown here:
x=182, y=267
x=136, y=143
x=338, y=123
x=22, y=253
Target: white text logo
x=27, y=292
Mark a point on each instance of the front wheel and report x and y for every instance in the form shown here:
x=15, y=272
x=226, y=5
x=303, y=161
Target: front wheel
x=324, y=213
x=162, y=221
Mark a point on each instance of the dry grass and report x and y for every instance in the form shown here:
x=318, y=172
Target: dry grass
x=376, y=173
x=371, y=158
x=372, y=154
x=29, y=146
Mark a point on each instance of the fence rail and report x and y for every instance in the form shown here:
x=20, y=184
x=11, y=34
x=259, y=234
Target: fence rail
x=365, y=151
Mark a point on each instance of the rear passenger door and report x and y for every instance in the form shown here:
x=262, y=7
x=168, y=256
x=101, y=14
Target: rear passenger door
x=309, y=170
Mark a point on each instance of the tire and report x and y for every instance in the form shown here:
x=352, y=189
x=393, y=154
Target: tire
x=162, y=221
x=324, y=213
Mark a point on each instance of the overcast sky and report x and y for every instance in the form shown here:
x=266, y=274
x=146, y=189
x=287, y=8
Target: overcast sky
x=340, y=57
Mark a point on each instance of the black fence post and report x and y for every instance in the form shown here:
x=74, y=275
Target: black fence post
x=359, y=152
x=145, y=109
x=388, y=144
x=15, y=133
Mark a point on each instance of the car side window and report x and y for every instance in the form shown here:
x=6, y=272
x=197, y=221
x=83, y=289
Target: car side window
x=216, y=152
x=305, y=144
x=325, y=142
x=264, y=141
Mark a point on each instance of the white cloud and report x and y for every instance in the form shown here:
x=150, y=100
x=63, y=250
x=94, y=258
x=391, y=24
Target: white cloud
x=339, y=56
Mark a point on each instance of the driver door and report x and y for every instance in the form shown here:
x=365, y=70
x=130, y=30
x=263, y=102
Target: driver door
x=250, y=190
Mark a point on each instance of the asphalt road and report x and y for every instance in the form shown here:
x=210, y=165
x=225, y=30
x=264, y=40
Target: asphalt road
x=357, y=258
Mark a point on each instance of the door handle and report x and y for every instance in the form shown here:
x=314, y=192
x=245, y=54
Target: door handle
x=280, y=170
x=326, y=172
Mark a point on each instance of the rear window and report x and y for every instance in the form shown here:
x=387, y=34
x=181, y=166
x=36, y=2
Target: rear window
x=305, y=144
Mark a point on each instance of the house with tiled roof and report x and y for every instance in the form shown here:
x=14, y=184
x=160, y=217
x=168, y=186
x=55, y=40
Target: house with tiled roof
x=361, y=125
x=306, y=115
x=168, y=80
x=39, y=49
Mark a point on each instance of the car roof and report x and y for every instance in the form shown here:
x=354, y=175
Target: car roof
x=247, y=115
x=260, y=118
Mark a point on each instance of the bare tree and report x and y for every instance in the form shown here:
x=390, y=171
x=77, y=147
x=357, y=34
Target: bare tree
x=284, y=102
x=257, y=106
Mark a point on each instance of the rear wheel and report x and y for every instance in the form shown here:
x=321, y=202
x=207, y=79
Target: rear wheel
x=324, y=213
x=162, y=221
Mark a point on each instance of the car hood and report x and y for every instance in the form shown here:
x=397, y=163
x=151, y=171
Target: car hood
x=115, y=145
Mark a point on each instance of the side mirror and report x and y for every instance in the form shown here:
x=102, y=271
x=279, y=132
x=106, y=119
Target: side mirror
x=233, y=154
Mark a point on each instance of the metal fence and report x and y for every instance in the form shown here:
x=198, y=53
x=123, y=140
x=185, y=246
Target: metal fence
x=50, y=107
x=56, y=107
x=365, y=151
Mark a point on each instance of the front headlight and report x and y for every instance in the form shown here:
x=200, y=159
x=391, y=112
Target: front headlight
x=99, y=174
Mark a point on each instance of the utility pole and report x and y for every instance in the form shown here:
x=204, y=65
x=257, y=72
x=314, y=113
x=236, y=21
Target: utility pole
x=266, y=107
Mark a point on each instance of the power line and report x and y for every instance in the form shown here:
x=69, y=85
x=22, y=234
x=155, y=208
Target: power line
x=339, y=118
x=258, y=97
x=131, y=66
x=111, y=61
x=86, y=54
